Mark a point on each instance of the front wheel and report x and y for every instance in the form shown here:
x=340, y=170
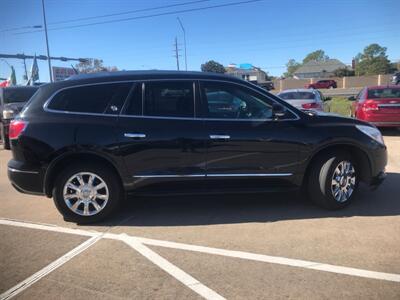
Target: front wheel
x=333, y=180
x=86, y=193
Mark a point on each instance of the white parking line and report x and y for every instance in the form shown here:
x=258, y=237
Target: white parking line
x=223, y=252
x=15, y=290
x=173, y=270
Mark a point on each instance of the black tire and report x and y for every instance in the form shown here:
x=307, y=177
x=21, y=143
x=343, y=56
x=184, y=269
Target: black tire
x=319, y=183
x=106, y=174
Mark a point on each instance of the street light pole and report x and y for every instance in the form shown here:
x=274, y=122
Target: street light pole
x=184, y=40
x=47, y=41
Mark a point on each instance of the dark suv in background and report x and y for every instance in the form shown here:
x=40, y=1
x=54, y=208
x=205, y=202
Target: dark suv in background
x=89, y=141
x=12, y=99
x=396, y=78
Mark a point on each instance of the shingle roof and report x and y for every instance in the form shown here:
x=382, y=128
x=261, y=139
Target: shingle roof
x=314, y=66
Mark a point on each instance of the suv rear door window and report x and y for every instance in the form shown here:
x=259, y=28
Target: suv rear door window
x=91, y=98
x=169, y=99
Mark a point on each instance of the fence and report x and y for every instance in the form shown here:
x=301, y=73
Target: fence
x=342, y=82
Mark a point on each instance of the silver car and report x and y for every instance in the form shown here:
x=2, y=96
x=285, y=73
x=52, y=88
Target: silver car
x=305, y=99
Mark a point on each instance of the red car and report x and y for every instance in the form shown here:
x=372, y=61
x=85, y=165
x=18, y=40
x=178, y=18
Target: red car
x=379, y=105
x=322, y=84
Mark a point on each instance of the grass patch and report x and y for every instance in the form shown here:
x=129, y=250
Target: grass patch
x=338, y=105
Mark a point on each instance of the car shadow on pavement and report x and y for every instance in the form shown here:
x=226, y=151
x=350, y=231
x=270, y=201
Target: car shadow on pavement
x=232, y=209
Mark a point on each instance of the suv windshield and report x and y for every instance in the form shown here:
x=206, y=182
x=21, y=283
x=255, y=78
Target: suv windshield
x=12, y=95
x=298, y=96
x=384, y=93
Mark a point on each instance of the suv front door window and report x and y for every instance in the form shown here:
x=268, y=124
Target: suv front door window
x=232, y=102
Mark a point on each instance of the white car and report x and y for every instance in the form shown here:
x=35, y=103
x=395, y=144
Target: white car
x=304, y=99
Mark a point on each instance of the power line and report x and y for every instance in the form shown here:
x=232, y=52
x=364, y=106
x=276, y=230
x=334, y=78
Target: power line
x=129, y=12
x=146, y=16
x=110, y=15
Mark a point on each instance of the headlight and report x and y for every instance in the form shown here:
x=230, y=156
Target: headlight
x=8, y=114
x=372, y=132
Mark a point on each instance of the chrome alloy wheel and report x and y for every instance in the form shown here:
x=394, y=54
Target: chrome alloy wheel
x=343, y=181
x=85, y=193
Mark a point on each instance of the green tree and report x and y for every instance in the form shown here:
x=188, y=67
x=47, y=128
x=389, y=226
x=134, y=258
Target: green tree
x=212, y=66
x=93, y=66
x=342, y=72
x=373, y=60
x=291, y=67
x=318, y=55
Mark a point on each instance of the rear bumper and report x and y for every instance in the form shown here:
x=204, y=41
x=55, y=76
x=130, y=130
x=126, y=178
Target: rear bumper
x=25, y=179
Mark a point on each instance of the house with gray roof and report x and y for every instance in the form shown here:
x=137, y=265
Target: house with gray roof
x=319, y=69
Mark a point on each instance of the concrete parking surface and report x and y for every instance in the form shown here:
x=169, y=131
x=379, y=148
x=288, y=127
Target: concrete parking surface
x=268, y=246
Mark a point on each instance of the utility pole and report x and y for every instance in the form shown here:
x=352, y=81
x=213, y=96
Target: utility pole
x=177, y=53
x=184, y=41
x=26, y=72
x=47, y=41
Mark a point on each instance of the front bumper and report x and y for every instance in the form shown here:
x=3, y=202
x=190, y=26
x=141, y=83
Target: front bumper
x=25, y=179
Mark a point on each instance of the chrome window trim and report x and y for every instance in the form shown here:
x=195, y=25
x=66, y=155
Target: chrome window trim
x=46, y=104
x=216, y=175
x=194, y=99
x=143, y=96
x=22, y=171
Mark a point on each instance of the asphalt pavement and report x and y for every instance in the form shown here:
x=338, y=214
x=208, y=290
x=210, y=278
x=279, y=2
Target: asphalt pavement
x=269, y=246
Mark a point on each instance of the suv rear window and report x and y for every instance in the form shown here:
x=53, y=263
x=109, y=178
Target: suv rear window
x=169, y=99
x=384, y=93
x=90, y=98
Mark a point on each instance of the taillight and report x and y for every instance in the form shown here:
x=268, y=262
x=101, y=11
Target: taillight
x=313, y=105
x=16, y=128
x=370, y=105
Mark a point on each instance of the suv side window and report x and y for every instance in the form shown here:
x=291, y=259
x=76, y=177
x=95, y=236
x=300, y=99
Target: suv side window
x=134, y=104
x=230, y=101
x=169, y=99
x=91, y=98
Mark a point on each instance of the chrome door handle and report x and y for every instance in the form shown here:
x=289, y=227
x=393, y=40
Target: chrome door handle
x=135, y=135
x=219, y=137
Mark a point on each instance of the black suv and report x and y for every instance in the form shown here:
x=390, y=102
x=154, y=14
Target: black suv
x=12, y=99
x=396, y=78
x=89, y=141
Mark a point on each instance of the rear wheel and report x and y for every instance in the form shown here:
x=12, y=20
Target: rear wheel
x=333, y=180
x=86, y=193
